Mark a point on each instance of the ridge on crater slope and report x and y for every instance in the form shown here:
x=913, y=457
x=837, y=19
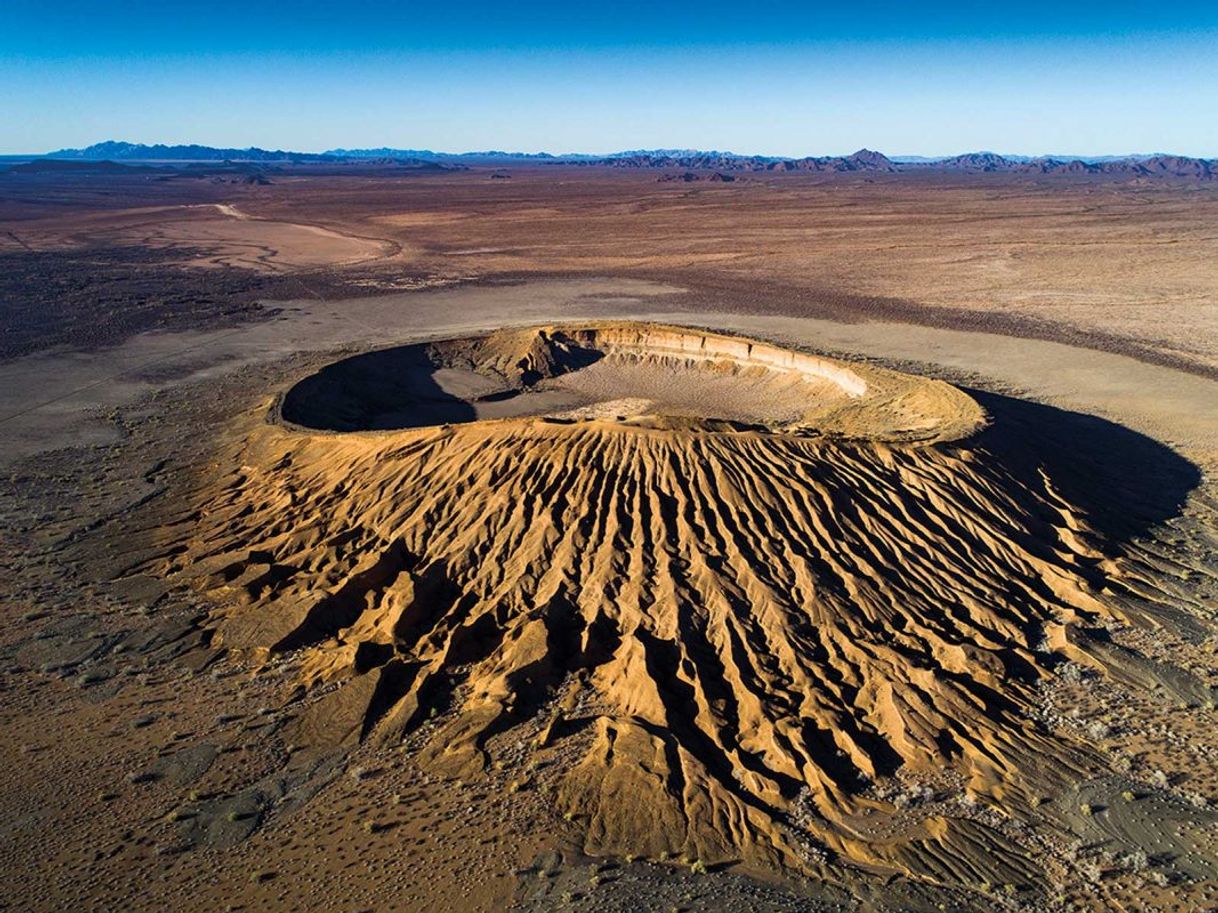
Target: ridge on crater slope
x=716, y=632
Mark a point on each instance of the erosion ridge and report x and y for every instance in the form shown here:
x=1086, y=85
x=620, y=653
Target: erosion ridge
x=717, y=633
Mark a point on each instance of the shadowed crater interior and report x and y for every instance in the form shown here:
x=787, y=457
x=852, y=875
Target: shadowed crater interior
x=639, y=374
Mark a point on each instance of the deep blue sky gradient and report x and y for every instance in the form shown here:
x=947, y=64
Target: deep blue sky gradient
x=768, y=77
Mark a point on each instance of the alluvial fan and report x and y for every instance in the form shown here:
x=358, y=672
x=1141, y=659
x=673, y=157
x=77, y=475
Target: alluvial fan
x=719, y=629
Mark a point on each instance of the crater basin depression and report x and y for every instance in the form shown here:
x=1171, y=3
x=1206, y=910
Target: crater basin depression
x=637, y=374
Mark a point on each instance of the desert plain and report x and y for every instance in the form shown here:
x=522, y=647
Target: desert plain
x=561, y=538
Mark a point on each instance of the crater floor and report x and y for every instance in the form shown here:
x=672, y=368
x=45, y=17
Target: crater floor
x=639, y=374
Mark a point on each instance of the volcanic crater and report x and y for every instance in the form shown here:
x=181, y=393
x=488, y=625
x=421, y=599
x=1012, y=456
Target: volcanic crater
x=712, y=589
x=640, y=374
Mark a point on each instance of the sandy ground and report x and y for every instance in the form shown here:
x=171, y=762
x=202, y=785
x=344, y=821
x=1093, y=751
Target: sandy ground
x=208, y=793
x=209, y=235
x=1117, y=265
x=157, y=387
x=1121, y=259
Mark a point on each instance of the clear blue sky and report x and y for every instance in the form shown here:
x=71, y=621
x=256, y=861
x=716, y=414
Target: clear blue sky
x=775, y=78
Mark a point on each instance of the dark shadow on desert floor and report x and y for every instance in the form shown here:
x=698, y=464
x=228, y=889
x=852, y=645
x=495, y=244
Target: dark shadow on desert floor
x=1125, y=482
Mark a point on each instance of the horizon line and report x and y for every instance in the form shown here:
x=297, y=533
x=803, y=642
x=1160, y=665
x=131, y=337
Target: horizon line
x=340, y=151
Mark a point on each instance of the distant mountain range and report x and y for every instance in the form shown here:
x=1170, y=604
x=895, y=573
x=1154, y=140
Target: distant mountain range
x=384, y=152
x=865, y=160
x=1090, y=159
x=114, y=150
x=1160, y=164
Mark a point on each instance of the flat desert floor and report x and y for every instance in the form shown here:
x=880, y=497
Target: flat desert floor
x=574, y=540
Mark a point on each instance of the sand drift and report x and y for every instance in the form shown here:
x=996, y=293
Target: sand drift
x=711, y=589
